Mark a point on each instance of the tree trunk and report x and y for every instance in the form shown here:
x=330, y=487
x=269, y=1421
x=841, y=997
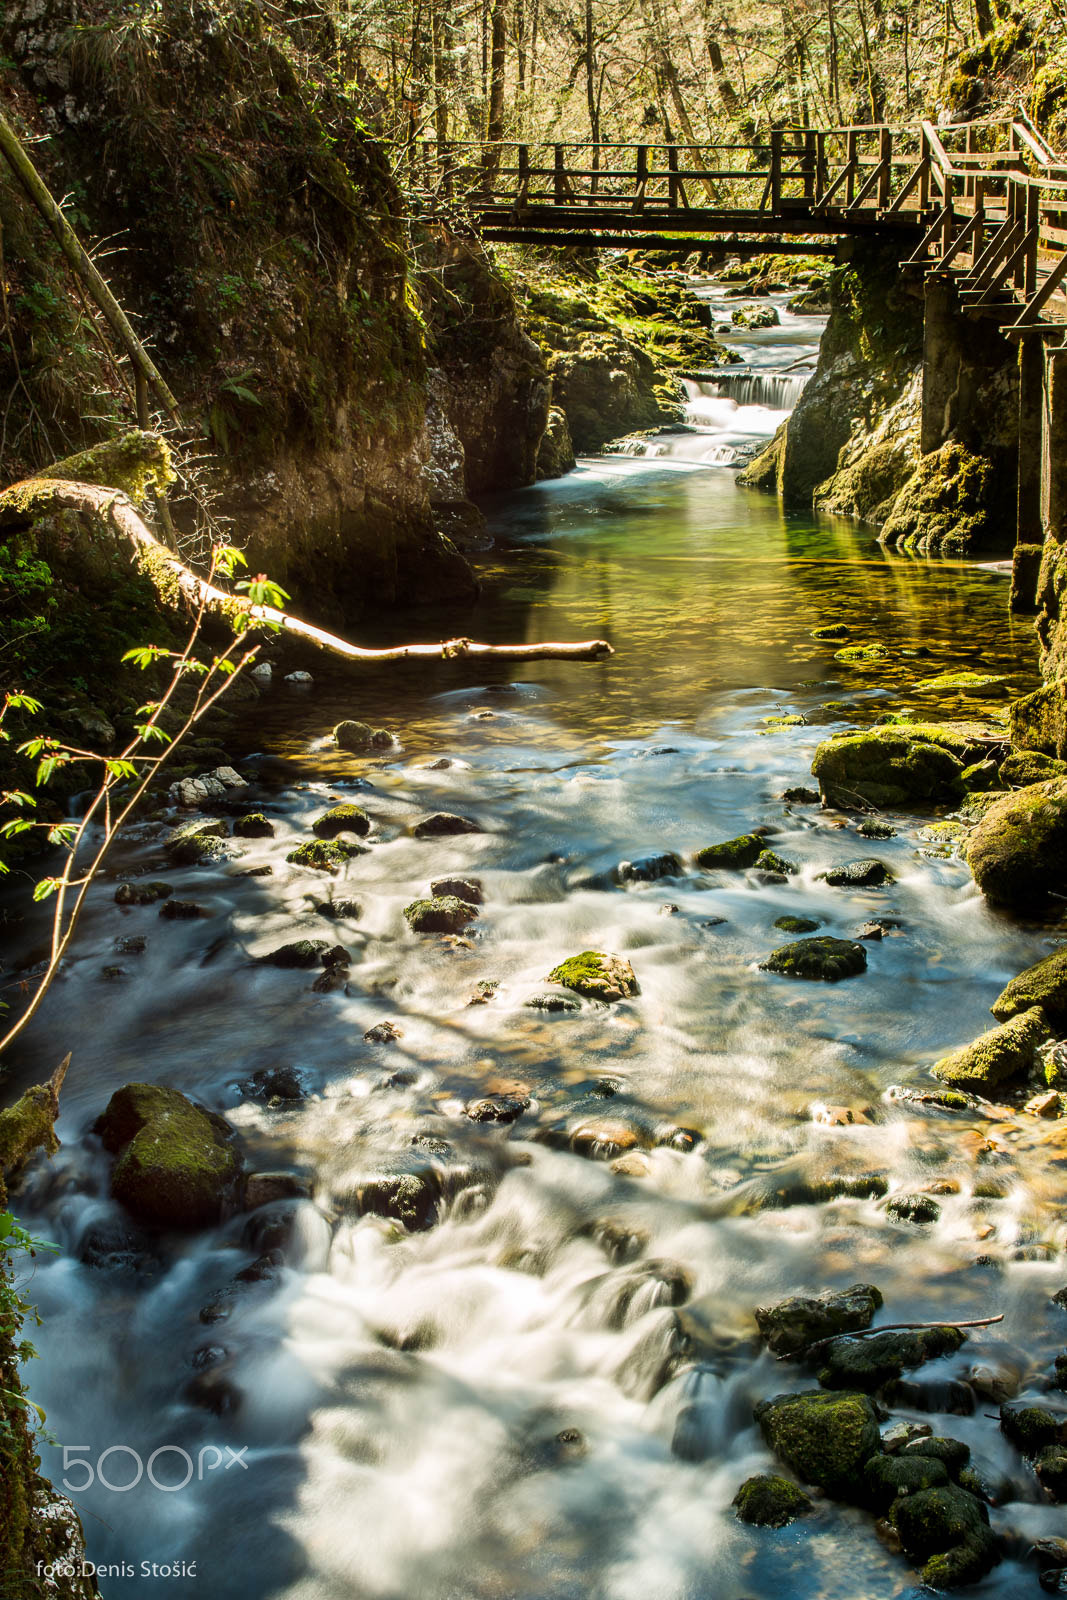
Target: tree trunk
x=39, y=497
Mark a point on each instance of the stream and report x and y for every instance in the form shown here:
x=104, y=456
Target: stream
x=548, y=1394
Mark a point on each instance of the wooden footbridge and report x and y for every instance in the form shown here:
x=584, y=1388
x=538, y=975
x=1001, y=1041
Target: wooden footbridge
x=977, y=212
x=986, y=200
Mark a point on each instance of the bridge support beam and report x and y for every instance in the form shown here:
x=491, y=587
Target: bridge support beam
x=1055, y=466
x=1029, y=525
x=941, y=363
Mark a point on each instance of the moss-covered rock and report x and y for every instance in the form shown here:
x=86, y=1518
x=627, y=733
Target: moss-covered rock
x=865, y=874
x=1018, y=851
x=824, y=1436
x=920, y=1209
x=820, y=958
x=1044, y=985
x=444, y=824
x=796, y=924
x=197, y=843
x=790, y=1326
x=997, y=1057
x=341, y=819
x=597, y=975
x=177, y=1165
x=1032, y=1429
x=1022, y=768
x=647, y=869
x=744, y=851
x=411, y=1198
x=441, y=914
x=26, y=1127
x=770, y=861
x=886, y=1477
x=352, y=735
x=770, y=1501
x=947, y=1530
x=555, y=455
x=961, y=682
x=755, y=317
x=142, y=893
x=901, y=765
x=324, y=855
x=253, y=825
x=875, y=1360
x=1051, y=1469
x=862, y=652
x=945, y=505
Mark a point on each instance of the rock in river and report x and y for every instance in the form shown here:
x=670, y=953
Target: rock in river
x=899, y=765
x=824, y=1436
x=597, y=975
x=646, y=869
x=1044, y=984
x=820, y=958
x=996, y=1057
x=792, y=1325
x=443, y=823
x=1018, y=851
x=770, y=1501
x=744, y=851
x=442, y=914
x=176, y=1163
x=866, y=874
x=324, y=855
x=341, y=819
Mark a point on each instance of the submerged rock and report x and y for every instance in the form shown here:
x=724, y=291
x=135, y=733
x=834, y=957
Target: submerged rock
x=441, y=914
x=646, y=869
x=769, y=1501
x=176, y=1163
x=899, y=765
x=997, y=1057
x=824, y=1436
x=1044, y=984
x=770, y=862
x=744, y=851
x=1051, y=1469
x=197, y=843
x=822, y=958
x=497, y=1107
x=441, y=824
x=870, y=1362
x=947, y=1530
x=604, y=1139
x=796, y=924
x=142, y=894
x=410, y=1198
x=867, y=874
x=1018, y=851
x=597, y=975
x=353, y=735
x=341, y=819
x=792, y=1325
x=918, y=1208
x=301, y=953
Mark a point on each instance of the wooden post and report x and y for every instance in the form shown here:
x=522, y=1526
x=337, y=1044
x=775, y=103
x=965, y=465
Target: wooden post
x=524, y=176
x=924, y=174
x=672, y=181
x=810, y=165
x=852, y=148
x=885, y=170
x=642, y=177
x=1031, y=439
x=559, y=176
x=821, y=173
x=776, y=170
x=1027, y=281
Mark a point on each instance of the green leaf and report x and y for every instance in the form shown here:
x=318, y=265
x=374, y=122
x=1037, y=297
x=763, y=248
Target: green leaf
x=62, y=833
x=46, y=887
x=120, y=769
x=19, y=825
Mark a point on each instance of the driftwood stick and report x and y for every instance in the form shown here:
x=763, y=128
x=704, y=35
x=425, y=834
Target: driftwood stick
x=36, y=497
x=893, y=1327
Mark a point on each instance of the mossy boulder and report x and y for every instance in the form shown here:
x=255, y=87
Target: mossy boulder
x=351, y=735
x=903, y=764
x=796, y=924
x=254, y=825
x=770, y=1501
x=824, y=1436
x=862, y=652
x=141, y=893
x=755, y=317
x=341, y=819
x=945, y=505
x=790, y=1326
x=999, y=1056
x=177, y=1166
x=744, y=851
x=960, y=682
x=196, y=843
x=779, y=866
x=1018, y=851
x=324, y=855
x=822, y=958
x=866, y=874
x=649, y=868
x=886, y=1477
x=1051, y=1469
x=442, y=914
x=411, y=1198
x=1044, y=985
x=871, y=1362
x=1032, y=1429
x=947, y=1530
x=920, y=1209
x=1022, y=768
x=597, y=975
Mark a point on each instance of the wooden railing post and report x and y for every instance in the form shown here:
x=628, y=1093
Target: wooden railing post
x=924, y=173
x=885, y=173
x=810, y=165
x=1028, y=281
x=776, y=170
x=559, y=176
x=822, y=176
x=672, y=181
x=852, y=150
x=642, y=177
x=523, y=192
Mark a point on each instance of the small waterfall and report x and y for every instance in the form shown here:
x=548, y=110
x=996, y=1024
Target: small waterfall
x=779, y=391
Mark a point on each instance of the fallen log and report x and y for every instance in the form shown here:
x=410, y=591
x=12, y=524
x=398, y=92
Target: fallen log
x=43, y=496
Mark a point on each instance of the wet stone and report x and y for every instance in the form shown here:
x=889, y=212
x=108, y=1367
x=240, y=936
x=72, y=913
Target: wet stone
x=871, y=1362
x=468, y=889
x=341, y=819
x=820, y=959
x=552, y=1003
x=647, y=869
x=918, y=1208
x=876, y=830
x=801, y=796
x=1051, y=1469
x=769, y=1501
x=802, y=1320
x=796, y=924
x=142, y=894
x=301, y=953
x=824, y=1437
x=732, y=854
x=866, y=874
x=442, y=824
x=444, y=914
x=253, y=825
x=603, y=1140
x=501, y=1108
x=597, y=975
x=383, y=1033
x=182, y=910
